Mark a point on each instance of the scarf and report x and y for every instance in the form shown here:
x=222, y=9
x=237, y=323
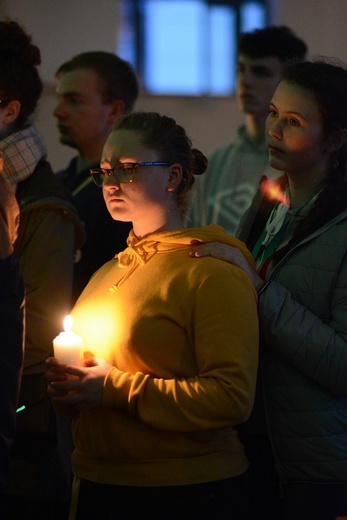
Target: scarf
x=21, y=152
x=277, y=232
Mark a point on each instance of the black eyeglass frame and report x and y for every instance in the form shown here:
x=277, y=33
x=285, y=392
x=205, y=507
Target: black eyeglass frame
x=119, y=171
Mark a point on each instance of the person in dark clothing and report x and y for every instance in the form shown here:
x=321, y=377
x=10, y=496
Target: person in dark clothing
x=11, y=327
x=93, y=90
x=296, y=229
x=49, y=233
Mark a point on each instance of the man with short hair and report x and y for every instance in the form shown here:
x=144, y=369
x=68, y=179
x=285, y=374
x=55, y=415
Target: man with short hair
x=225, y=192
x=94, y=89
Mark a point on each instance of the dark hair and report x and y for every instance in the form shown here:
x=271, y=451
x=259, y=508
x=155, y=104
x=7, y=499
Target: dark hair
x=19, y=78
x=326, y=81
x=279, y=41
x=117, y=77
x=163, y=135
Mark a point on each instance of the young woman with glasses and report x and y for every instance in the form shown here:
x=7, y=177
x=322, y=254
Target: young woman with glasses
x=170, y=347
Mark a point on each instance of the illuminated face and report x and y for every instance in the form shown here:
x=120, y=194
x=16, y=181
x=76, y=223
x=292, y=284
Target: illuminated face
x=84, y=120
x=257, y=79
x=294, y=133
x=146, y=200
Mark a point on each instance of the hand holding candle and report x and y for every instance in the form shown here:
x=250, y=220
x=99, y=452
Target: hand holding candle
x=68, y=346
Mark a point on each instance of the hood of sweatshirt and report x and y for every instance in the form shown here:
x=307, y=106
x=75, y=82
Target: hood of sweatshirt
x=140, y=251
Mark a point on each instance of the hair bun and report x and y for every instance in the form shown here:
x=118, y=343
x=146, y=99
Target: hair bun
x=200, y=162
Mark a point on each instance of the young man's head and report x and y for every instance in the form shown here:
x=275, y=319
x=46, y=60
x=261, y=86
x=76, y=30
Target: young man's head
x=94, y=89
x=262, y=56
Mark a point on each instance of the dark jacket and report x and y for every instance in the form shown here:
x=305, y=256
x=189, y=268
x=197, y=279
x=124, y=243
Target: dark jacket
x=105, y=236
x=11, y=354
x=303, y=322
x=11, y=326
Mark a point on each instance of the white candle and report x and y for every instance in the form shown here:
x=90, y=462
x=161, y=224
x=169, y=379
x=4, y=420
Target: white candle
x=68, y=346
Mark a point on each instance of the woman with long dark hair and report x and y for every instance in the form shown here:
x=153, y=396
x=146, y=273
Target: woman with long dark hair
x=297, y=232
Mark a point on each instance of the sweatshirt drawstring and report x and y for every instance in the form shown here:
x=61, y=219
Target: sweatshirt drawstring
x=131, y=257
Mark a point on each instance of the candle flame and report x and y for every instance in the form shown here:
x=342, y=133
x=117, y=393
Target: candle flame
x=272, y=191
x=68, y=322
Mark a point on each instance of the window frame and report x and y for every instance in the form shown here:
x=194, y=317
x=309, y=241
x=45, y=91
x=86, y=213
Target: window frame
x=135, y=16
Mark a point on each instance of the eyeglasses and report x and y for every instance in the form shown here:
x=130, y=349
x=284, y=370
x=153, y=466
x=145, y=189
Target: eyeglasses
x=123, y=172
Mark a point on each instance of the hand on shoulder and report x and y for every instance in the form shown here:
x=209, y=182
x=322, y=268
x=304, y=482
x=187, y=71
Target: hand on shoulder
x=229, y=254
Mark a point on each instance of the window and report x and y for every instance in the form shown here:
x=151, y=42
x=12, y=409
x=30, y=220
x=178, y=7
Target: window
x=186, y=47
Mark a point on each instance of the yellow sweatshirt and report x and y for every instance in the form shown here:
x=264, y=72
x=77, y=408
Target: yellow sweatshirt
x=182, y=336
